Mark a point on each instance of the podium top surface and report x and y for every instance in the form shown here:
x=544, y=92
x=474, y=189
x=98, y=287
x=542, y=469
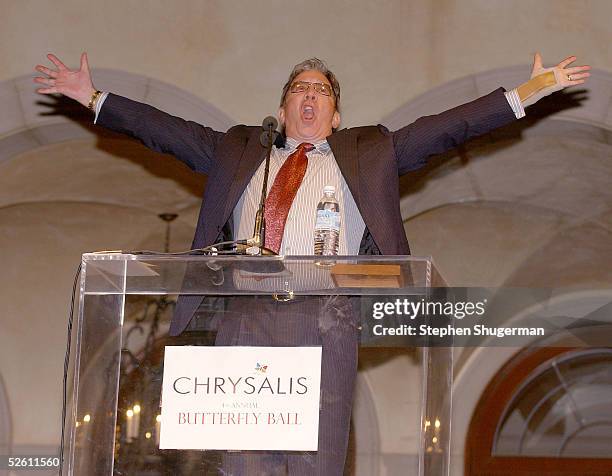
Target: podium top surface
x=119, y=273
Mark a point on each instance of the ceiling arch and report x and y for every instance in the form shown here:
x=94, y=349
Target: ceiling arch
x=594, y=98
x=30, y=120
x=579, y=119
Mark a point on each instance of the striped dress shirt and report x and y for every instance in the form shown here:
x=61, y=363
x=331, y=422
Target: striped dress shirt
x=298, y=236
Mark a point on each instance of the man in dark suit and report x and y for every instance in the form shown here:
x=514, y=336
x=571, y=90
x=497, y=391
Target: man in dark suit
x=362, y=163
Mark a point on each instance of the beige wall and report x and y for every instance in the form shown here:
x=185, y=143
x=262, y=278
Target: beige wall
x=65, y=190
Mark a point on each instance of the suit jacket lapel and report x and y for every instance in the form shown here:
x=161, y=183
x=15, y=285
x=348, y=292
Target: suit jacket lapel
x=252, y=156
x=344, y=147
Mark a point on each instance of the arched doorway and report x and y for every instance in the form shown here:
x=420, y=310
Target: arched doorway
x=546, y=412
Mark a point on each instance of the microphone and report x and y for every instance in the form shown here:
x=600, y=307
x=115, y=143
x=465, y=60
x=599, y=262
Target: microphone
x=269, y=126
x=277, y=138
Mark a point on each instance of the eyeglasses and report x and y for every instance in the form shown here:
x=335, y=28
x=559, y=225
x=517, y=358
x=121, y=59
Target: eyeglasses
x=321, y=88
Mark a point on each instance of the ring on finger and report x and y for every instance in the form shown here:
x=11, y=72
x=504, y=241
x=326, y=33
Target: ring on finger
x=569, y=77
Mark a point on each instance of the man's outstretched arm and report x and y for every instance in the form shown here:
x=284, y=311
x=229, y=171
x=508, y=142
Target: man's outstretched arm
x=188, y=141
x=436, y=134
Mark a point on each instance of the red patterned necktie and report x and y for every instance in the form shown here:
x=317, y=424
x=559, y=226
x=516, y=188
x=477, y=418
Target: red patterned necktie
x=282, y=193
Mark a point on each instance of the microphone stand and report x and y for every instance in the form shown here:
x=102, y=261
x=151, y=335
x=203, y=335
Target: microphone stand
x=267, y=138
x=254, y=245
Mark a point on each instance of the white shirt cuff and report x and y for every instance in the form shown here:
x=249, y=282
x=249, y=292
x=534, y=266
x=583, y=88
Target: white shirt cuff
x=514, y=101
x=101, y=100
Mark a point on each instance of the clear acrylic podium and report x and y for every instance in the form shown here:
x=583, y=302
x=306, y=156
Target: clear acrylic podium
x=125, y=309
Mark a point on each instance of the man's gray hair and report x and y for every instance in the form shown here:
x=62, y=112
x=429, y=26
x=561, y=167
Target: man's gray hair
x=317, y=65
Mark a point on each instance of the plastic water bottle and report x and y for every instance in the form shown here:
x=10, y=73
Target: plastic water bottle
x=327, y=226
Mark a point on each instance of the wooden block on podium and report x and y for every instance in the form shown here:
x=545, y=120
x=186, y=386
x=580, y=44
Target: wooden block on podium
x=346, y=275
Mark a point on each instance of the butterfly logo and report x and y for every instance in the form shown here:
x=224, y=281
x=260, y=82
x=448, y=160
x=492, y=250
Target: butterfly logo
x=261, y=368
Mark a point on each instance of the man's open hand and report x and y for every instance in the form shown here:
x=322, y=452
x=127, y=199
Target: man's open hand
x=545, y=81
x=565, y=76
x=74, y=83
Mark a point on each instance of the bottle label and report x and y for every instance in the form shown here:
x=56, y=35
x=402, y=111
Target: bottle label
x=328, y=220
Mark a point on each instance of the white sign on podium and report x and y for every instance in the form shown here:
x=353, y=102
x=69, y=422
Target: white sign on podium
x=241, y=398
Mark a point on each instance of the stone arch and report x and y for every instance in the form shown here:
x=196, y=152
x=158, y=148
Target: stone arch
x=595, y=109
x=32, y=124
x=583, y=115
x=30, y=120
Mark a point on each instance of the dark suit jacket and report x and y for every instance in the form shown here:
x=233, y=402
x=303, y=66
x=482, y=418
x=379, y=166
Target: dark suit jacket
x=370, y=158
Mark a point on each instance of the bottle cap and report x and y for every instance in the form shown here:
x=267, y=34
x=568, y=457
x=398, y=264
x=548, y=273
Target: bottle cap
x=329, y=189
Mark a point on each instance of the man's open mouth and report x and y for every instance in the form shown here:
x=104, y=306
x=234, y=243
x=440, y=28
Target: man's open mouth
x=308, y=112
